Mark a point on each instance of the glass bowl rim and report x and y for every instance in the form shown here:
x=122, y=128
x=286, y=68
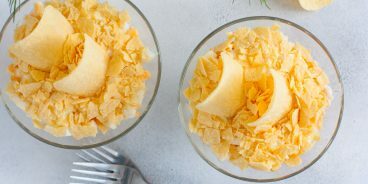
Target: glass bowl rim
x=149, y=105
x=256, y=18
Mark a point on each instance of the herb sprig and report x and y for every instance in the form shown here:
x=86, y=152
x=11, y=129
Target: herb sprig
x=263, y=2
x=13, y=5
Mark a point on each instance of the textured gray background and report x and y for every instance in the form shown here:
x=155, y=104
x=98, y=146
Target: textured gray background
x=159, y=145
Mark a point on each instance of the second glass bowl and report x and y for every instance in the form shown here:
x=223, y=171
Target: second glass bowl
x=147, y=35
x=332, y=119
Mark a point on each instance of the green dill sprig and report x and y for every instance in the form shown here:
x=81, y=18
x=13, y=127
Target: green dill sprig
x=263, y=2
x=13, y=5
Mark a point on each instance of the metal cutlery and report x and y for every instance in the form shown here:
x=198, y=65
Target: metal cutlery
x=105, y=165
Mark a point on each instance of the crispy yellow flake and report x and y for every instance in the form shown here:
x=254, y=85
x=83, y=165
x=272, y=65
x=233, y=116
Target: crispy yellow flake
x=264, y=166
x=116, y=64
x=134, y=44
x=28, y=89
x=108, y=106
x=253, y=91
x=295, y=117
x=254, y=73
x=211, y=136
x=86, y=25
x=38, y=75
x=240, y=162
x=123, y=18
x=262, y=107
x=38, y=10
x=221, y=150
x=19, y=33
x=227, y=134
x=252, y=107
x=293, y=161
x=38, y=124
x=56, y=131
x=30, y=23
x=79, y=131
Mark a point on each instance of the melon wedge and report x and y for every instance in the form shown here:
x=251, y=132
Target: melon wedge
x=280, y=102
x=228, y=96
x=43, y=47
x=89, y=75
x=313, y=5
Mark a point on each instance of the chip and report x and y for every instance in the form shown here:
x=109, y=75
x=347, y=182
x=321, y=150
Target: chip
x=87, y=77
x=43, y=47
x=228, y=96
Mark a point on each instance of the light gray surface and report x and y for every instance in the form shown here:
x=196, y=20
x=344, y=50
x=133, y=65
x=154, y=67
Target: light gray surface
x=159, y=145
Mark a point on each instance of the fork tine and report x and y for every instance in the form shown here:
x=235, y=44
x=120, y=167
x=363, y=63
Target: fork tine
x=111, y=151
x=97, y=173
x=105, y=156
x=93, y=156
x=83, y=157
x=94, y=180
x=121, y=158
x=100, y=166
x=93, y=165
x=125, y=160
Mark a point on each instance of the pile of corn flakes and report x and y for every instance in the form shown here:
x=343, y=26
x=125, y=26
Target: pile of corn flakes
x=119, y=98
x=264, y=148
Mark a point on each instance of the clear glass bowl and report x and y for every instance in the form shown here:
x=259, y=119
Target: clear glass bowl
x=139, y=21
x=332, y=120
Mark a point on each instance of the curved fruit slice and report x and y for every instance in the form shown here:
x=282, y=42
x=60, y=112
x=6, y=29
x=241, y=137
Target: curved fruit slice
x=89, y=75
x=227, y=98
x=313, y=5
x=43, y=47
x=280, y=102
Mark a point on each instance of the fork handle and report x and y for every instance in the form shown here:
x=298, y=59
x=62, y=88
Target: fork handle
x=136, y=178
x=133, y=176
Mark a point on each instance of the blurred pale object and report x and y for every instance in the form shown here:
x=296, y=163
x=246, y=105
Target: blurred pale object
x=312, y=5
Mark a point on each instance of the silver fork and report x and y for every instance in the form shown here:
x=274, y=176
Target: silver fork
x=107, y=166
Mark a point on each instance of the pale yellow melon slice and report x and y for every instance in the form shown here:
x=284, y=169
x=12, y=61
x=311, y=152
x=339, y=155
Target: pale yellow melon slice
x=280, y=102
x=43, y=47
x=228, y=96
x=89, y=75
x=313, y=5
